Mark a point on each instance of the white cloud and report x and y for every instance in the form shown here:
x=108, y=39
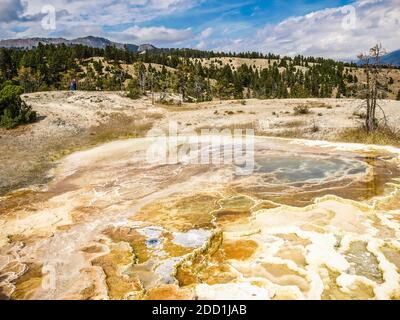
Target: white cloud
x=158, y=34
x=202, y=37
x=201, y=45
x=10, y=10
x=82, y=17
x=206, y=33
x=112, y=11
x=328, y=33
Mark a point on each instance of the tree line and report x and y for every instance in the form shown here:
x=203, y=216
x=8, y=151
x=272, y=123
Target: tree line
x=183, y=71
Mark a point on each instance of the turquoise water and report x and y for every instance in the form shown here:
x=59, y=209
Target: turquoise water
x=289, y=169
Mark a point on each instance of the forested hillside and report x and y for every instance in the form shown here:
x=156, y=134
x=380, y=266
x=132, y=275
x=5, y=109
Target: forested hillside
x=195, y=75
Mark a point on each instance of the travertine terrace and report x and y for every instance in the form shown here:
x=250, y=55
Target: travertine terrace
x=314, y=220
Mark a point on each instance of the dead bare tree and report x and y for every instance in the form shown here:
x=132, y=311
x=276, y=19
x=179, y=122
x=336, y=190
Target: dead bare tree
x=142, y=76
x=164, y=89
x=373, y=88
x=152, y=88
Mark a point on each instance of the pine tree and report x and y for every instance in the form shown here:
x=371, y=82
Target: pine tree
x=134, y=91
x=26, y=79
x=14, y=111
x=49, y=67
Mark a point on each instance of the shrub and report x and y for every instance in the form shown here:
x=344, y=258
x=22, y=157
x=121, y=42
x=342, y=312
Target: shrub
x=301, y=109
x=169, y=102
x=317, y=104
x=5, y=83
x=13, y=110
x=293, y=124
x=134, y=90
x=360, y=114
x=315, y=128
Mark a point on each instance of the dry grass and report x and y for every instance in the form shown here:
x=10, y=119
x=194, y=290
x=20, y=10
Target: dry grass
x=290, y=133
x=317, y=104
x=17, y=172
x=383, y=136
x=315, y=128
x=176, y=106
x=169, y=102
x=120, y=126
x=360, y=114
x=301, y=110
x=117, y=126
x=292, y=124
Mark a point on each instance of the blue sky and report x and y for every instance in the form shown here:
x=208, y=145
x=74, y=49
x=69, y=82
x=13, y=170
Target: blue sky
x=234, y=18
x=331, y=28
x=241, y=18
x=248, y=12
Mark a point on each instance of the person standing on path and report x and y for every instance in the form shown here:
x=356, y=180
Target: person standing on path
x=74, y=85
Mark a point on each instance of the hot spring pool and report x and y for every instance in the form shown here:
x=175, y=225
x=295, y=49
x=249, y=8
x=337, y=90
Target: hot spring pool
x=311, y=221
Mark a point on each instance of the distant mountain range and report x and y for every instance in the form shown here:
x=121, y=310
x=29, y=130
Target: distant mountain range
x=90, y=41
x=392, y=58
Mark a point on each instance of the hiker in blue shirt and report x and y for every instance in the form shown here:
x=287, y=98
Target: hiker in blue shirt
x=74, y=85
